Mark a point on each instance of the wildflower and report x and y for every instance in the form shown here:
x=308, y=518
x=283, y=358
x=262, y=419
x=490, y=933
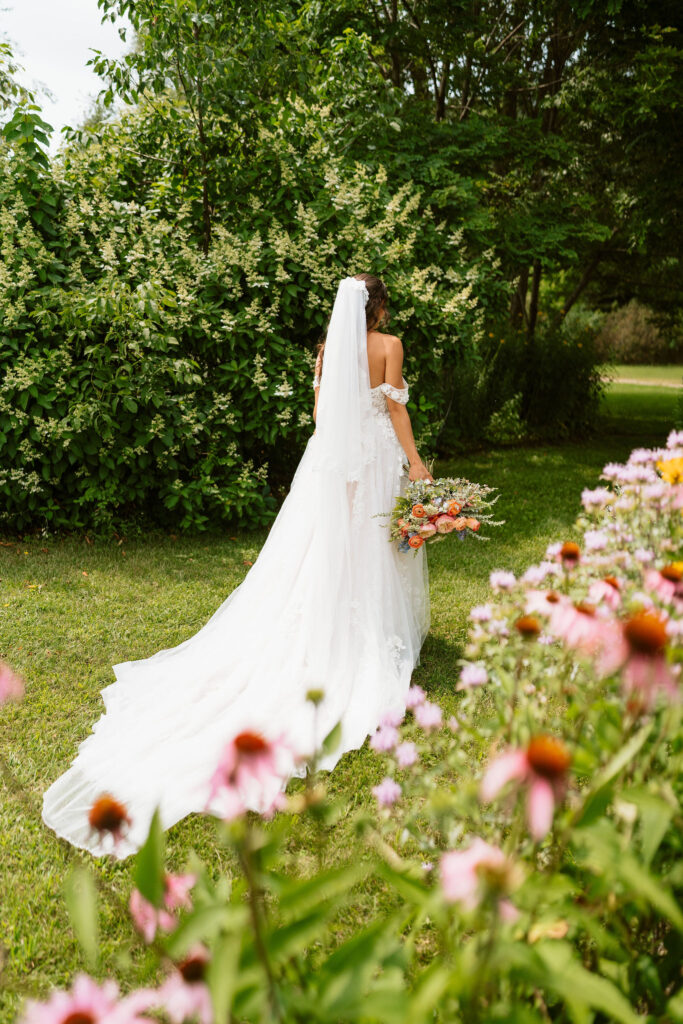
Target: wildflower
x=570, y=553
x=392, y=718
x=406, y=754
x=481, y=613
x=598, y=498
x=89, y=1003
x=387, y=792
x=666, y=582
x=675, y=439
x=645, y=672
x=528, y=626
x=470, y=876
x=607, y=590
x=671, y=470
x=502, y=580
x=385, y=738
x=185, y=993
x=249, y=774
x=108, y=815
x=472, y=675
x=11, y=686
x=415, y=696
x=595, y=540
x=542, y=767
x=147, y=918
x=428, y=715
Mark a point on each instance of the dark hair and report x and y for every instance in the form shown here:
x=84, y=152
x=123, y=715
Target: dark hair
x=378, y=296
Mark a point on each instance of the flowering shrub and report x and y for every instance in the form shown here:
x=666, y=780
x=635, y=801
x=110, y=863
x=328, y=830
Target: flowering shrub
x=140, y=376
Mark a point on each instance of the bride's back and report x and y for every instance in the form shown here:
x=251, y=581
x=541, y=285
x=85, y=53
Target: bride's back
x=377, y=356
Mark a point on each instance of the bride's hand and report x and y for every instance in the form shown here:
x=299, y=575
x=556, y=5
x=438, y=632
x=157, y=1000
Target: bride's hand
x=418, y=471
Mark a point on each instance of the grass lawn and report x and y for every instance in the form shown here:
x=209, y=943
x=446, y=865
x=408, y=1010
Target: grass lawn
x=669, y=374
x=70, y=609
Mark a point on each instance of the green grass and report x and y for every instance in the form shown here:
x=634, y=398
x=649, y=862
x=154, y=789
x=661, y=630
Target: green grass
x=669, y=374
x=70, y=609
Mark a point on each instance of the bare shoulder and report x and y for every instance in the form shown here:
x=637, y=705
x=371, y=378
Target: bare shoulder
x=392, y=344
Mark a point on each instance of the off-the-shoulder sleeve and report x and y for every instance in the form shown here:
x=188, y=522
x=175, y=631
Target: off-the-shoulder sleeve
x=316, y=381
x=397, y=394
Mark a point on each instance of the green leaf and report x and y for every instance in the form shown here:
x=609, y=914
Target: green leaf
x=332, y=740
x=609, y=772
x=81, y=901
x=222, y=974
x=581, y=988
x=149, y=864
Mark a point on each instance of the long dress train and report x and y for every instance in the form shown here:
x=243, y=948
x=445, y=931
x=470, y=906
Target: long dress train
x=328, y=604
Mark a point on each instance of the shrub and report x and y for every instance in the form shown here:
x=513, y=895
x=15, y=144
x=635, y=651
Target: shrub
x=631, y=334
x=142, y=379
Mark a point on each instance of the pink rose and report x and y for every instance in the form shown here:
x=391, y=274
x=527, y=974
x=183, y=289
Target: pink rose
x=427, y=530
x=444, y=524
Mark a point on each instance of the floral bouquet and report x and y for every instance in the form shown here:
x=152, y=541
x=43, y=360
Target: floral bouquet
x=429, y=511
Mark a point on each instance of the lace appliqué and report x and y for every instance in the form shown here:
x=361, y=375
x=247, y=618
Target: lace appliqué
x=397, y=394
x=396, y=645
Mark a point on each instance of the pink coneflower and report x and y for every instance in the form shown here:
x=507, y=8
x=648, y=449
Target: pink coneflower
x=581, y=627
x=109, y=816
x=542, y=767
x=185, y=993
x=500, y=579
x=428, y=715
x=605, y=591
x=415, y=696
x=250, y=774
x=89, y=1003
x=646, y=671
x=570, y=554
x=469, y=876
x=666, y=582
x=387, y=792
x=11, y=685
x=543, y=602
x=406, y=754
x=472, y=675
x=147, y=918
x=528, y=626
x=384, y=739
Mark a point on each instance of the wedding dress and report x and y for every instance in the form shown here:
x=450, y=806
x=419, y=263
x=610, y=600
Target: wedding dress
x=329, y=604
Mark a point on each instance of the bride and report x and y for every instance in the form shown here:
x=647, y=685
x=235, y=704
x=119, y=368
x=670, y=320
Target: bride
x=330, y=604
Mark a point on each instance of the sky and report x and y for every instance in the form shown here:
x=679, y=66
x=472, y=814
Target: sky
x=52, y=39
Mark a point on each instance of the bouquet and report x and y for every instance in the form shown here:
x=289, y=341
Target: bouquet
x=428, y=512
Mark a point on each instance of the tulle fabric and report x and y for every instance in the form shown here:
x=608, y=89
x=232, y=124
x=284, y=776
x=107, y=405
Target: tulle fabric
x=329, y=604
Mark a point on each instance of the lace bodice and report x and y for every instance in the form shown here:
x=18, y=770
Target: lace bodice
x=381, y=392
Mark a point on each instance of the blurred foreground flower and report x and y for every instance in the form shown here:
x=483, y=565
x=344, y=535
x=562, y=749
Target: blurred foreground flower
x=185, y=994
x=108, y=815
x=89, y=1003
x=387, y=792
x=477, y=873
x=11, y=686
x=147, y=918
x=542, y=768
x=250, y=775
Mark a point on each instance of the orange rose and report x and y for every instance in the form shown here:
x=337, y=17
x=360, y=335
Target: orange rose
x=460, y=523
x=453, y=508
x=418, y=511
x=416, y=541
x=473, y=524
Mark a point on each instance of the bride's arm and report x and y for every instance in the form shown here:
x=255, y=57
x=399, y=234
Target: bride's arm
x=318, y=371
x=399, y=414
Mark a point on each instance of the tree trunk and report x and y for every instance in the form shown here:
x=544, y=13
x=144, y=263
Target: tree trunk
x=518, y=300
x=533, y=303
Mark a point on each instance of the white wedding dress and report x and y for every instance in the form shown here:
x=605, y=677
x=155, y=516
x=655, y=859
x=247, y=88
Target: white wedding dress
x=330, y=603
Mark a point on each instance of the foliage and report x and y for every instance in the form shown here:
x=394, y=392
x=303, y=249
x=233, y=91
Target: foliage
x=630, y=334
x=553, y=897
x=143, y=377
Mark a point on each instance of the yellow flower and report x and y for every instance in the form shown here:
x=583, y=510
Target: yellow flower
x=671, y=470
